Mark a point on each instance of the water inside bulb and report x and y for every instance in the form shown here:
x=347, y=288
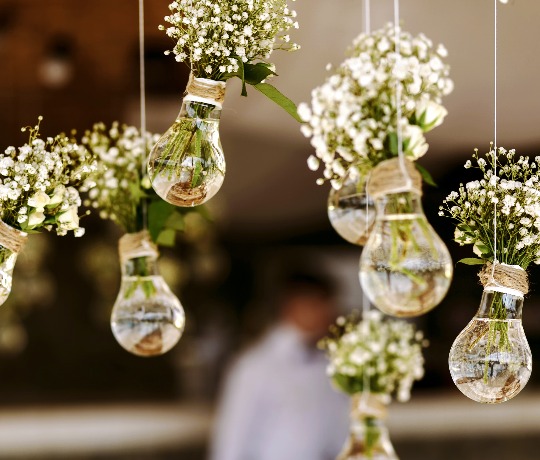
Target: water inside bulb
x=405, y=268
x=147, y=318
x=490, y=360
x=350, y=211
x=187, y=165
x=368, y=437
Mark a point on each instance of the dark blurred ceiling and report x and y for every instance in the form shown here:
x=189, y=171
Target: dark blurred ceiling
x=268, y=188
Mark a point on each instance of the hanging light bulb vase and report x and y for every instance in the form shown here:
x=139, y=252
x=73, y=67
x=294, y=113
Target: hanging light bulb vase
x=351, y=210
x=187, y=165
x=147, y=318
x=405, y=268
x=12, y=242
x=368, y=437
x=490, y=360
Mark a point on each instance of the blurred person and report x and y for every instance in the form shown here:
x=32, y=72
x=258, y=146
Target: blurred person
x=277, y=402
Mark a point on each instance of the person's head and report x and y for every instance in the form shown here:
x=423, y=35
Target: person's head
x=307, y=303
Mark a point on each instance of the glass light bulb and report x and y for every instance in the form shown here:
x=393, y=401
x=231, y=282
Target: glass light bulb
x=350, y=211
x=405, y=268
x=187, y=165
x=368, y=437
x=490, y=360
x=147, y=318
x=8, y=259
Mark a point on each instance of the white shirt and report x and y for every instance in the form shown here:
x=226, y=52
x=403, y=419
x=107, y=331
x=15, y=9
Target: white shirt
x=278, y=404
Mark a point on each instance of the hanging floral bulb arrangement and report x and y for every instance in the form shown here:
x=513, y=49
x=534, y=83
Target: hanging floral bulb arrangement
x=147, y=318
x=220, y=40
x=38, y=191
x=373, y=360
x=353, y=124
x=490, y=361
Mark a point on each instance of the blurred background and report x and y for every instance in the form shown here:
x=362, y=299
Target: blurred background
x=67, y=390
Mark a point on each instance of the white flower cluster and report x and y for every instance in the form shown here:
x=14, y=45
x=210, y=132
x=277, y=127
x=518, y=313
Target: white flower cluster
x=38, y=183
x=515, y=193
x=352, y=120
x=118, y=186
x=215, y=35
x=386, y=354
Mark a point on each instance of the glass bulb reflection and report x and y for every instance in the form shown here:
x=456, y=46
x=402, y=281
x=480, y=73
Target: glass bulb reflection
x=350, y=211
x=147, y=318
x=490, y=360
x=405, y=268
x=187, y=165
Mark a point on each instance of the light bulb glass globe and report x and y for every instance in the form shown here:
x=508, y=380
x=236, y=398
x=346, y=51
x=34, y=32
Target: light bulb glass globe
x=405, y=268
x=147, y=318
x=350, y=210
x=490, y=360
x=187, y=166
x=7, y=265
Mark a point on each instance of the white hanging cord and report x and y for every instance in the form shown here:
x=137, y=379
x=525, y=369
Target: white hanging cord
x=366, y=306
x=495, y=261
x=367, y=17
x=401, y=155
x=142, y=89
x=142, y=78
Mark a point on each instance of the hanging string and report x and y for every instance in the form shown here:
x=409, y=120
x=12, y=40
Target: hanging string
x=495, y=261
x=399, y=129
x=367, y=17
x=366, y=306
x=142, y=78
x=142, y=90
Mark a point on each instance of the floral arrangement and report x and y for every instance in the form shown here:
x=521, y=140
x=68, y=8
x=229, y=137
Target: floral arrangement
x=385, y=354
x=120, y=189
x=222, y=40
x=502, y=206
x=515, y=191
x=38, y=183
x=352, y=120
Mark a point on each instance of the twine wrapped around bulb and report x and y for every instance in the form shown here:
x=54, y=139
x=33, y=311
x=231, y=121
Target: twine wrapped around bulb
x=387, y=177
x=506, y=276
x=11, y=238
x=205, y=90
x=368, y=405
x=134, y=245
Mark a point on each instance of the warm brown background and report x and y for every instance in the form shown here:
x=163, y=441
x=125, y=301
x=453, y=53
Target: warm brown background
x=269, y=212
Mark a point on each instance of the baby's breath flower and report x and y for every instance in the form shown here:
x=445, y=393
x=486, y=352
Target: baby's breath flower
x=39, y=180
x=354, y=112
x=207, y=32
x=514, y=194
x=385, y=353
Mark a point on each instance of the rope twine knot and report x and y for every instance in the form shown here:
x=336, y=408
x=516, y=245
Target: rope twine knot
x=367, y=404
x=205, y=90
x=504, y=277
x=135, y=245
x=11, y=238
x=388, y=177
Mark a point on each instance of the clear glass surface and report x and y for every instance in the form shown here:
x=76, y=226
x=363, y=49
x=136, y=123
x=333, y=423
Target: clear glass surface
x=8, y=259
x=147, y=318
x=368, y=437
x=490, y=360
x=187, y=165
x=405, y=268
x=351, y=212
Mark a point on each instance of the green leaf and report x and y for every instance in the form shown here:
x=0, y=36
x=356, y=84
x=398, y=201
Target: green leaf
x=393, y=143
x=175, y=222
x=279, y=98
x=472, y=261
x=242, y=76
x=256, y=73
x=428, y=179
x=166, y=237
x=158, y=214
